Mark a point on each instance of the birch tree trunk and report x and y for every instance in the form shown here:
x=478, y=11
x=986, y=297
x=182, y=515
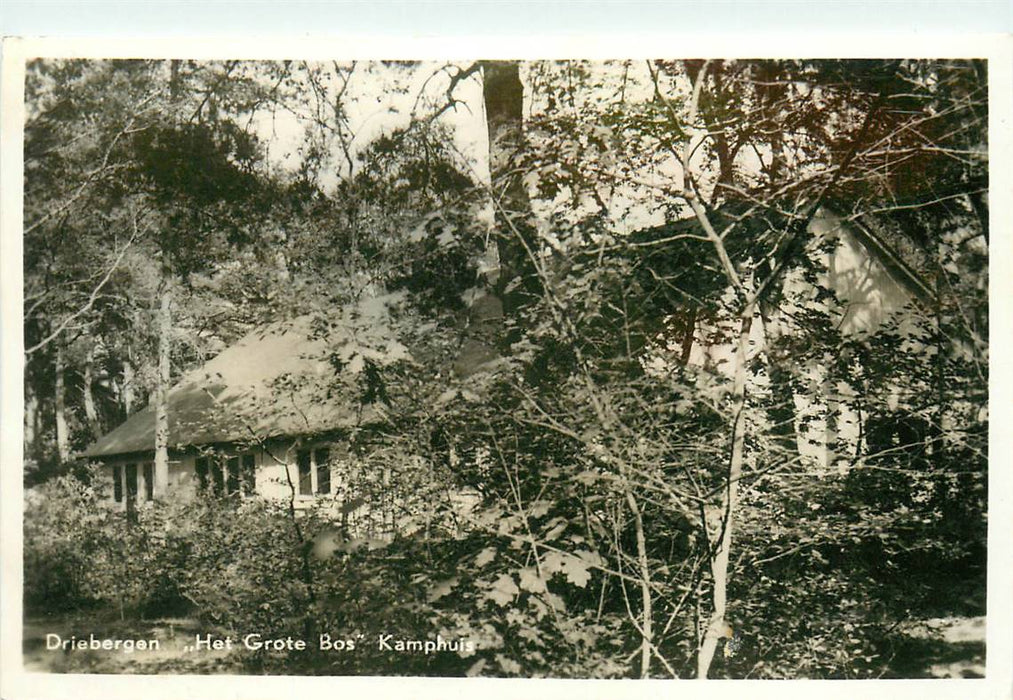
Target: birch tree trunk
x=503, y=96
x=127, y=389
x=31, y=419
x=647, y=621
x=717, y=628
x=90, y=411
x=62, y=433
x=161, y=468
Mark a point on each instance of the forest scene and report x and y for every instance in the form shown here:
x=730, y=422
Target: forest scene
x=647, y=369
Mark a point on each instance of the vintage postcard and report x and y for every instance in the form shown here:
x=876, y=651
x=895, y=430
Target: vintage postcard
x=380, y=368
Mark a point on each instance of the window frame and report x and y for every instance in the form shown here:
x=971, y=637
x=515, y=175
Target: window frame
x=314, y=469
x=148, y=478
x=143, y=488
x=119, y=493
x=226, y=474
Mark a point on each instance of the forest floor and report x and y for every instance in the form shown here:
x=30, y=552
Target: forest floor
x=943, y=647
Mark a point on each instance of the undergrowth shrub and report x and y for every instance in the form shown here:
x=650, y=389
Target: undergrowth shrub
x=79, y=554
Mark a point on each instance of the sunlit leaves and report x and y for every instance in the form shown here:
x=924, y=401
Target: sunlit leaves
x=502, y=590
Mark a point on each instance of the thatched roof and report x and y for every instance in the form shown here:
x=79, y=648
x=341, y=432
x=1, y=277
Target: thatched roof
x=289, y=378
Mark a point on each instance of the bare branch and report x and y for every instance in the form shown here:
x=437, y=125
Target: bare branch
x=91, y=297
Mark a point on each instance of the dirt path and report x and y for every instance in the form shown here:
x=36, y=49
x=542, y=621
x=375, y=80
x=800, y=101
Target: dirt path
x=946, y=647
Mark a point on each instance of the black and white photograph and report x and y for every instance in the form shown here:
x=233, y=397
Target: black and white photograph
x=510, y=368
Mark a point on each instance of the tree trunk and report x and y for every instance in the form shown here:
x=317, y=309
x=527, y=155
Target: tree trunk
x=723, y=150
x=781, y=411
x=31, y=419
x=161, y=464
x=717, y=628
x=89, y=398
x=832, y=409
x=127, y=388
x=161, y=468
x=62, y=434
x=936, y=437
x=647, y=621
x=503, y=95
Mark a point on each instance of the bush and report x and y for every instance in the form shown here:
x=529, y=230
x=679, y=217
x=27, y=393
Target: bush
x=247, y=570
x=78, y=553
x=61, y=518
x=240, y=566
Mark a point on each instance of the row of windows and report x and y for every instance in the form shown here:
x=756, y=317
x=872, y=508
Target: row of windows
x=221, y=475
x=226, y=475
x=125, y=482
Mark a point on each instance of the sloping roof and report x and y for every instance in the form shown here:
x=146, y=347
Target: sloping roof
x=870, y=231
x=289, y=378
x=900, y=268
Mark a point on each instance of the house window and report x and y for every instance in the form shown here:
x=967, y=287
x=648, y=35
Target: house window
x=226, y=475
x=118, y=483
x=249, y=475
x=314, y=471
x=129, y=481
x=322, y=457
x=305, y=473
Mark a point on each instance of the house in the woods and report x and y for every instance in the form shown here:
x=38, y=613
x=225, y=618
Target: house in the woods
x=267, y=417
x=264, y=417
x=875, y=276
x=875, y=284
x=877, y=279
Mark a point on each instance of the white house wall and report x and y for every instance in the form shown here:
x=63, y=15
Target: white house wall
x=869, y=296
x=276, y=475
x=868, y=291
